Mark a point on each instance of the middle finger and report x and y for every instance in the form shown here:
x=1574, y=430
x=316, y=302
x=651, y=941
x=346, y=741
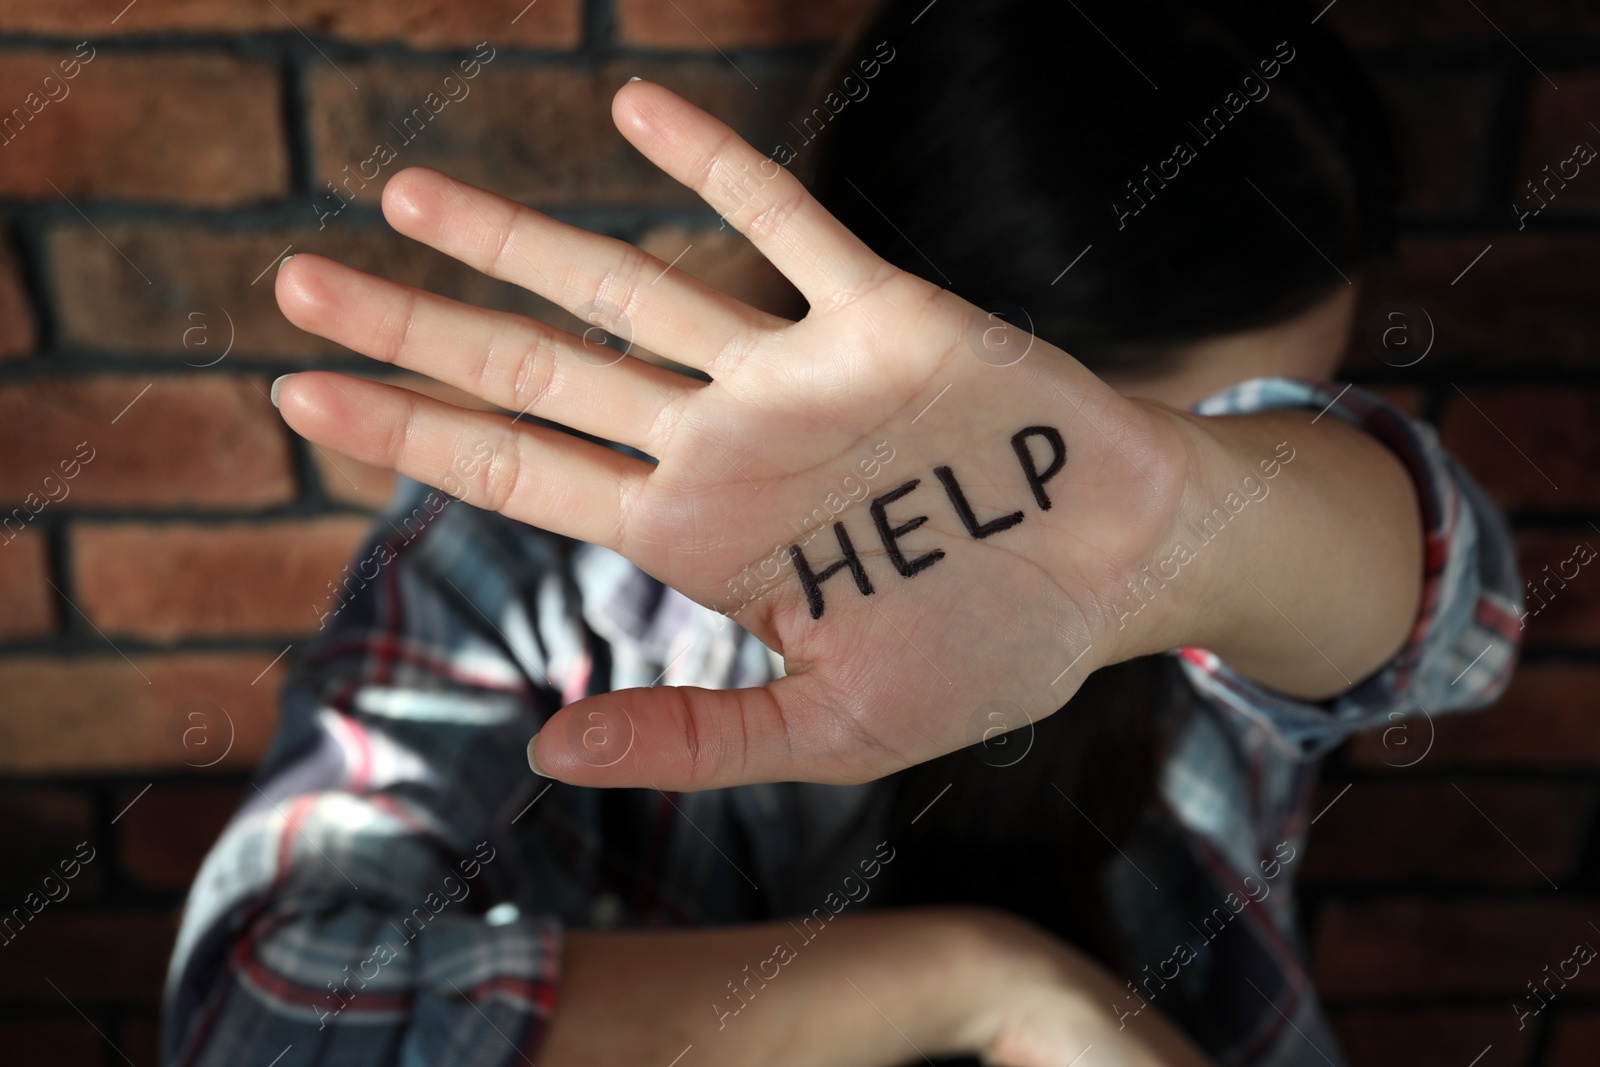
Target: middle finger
x=600, y=279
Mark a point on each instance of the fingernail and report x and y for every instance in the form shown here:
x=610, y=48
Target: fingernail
x=533, y=760
x=285, y=259
x=276, y=382
x=633, y=79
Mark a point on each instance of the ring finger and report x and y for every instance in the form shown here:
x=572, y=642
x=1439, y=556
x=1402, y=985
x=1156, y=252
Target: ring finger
x=518, y=363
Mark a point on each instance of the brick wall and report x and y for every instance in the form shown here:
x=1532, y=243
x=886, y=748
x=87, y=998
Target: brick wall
x=148, y=609
x=1436, y=891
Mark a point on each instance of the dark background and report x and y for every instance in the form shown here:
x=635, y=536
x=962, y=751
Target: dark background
x=138, y=614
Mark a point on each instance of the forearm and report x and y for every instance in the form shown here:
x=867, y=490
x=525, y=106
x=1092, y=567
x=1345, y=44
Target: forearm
x=872, y=990
x=862, y=992
x=1307, y=569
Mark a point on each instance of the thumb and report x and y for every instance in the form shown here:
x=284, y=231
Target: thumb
x=684, y=739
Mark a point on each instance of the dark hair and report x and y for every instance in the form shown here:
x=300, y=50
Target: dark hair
x=994, y=144
x=1005, y=137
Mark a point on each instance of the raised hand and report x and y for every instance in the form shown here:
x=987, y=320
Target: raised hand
x=983, y=509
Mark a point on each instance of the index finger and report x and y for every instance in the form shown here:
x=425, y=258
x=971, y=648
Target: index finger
x=757, y=196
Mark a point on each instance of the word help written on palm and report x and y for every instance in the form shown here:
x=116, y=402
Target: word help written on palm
x=981, y=564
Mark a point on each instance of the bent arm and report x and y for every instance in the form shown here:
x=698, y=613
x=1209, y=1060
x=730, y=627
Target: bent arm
x=868, y=991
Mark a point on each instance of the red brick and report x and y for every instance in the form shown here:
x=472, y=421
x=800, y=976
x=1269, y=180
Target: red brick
x=349, y=481
x=421, y=23
x=103, y=714
x=1442, y=1037
x=1441, y=125
x=1390, y=22
x=1525, y=303
x=1529, y=446
x=698, y=24
x=45, y=826
x=194, y=440
x=1557, y=123
x=18, y=335
x=27, y=603
x=1577, y=1035
x=167, y=832
x=1429, y=832
x=224, y=146
x=209, y=579
x=542, y=135
x=64, y=1042
x=105, y=306
x=96, y=959
x=1561, y=610
x=1546, y=720
x=1418, y=947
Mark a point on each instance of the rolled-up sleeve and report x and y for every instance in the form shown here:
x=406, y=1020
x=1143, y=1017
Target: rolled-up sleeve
x=1463, y=644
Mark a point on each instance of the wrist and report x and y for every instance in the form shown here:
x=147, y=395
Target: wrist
x=1173, y=596
x=998, y=960
x=1221, y=531
x=1036, y=998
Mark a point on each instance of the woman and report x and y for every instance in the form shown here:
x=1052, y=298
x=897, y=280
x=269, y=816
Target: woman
x=849, y=829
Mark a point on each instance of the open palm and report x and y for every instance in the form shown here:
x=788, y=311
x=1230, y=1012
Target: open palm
x=894, y=408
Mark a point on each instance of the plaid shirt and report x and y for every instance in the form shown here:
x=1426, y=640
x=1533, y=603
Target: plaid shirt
x=396, y=887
